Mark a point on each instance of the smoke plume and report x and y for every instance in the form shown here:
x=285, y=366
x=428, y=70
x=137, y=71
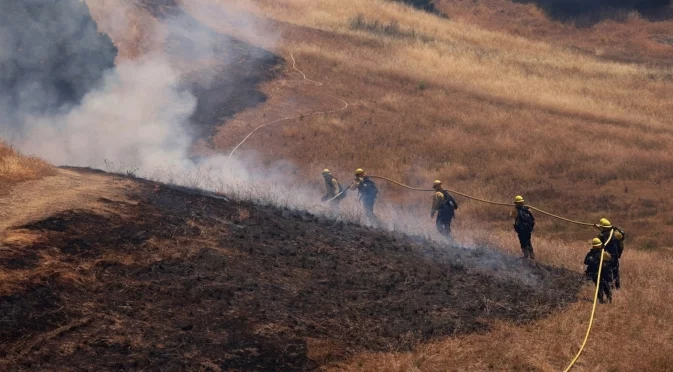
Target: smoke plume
x=64, y=101
x=51, y=55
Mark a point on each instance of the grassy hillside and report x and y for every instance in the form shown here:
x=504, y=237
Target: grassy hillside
x=15, y=167
x=489, y=113
x=147, y=276
x=493, y=112
x=494, y=115
x=623, y=35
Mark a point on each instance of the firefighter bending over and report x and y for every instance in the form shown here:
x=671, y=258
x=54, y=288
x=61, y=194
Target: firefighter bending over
x=524, y=225
x=592, y=260
x=445, y=206
x=334, y=192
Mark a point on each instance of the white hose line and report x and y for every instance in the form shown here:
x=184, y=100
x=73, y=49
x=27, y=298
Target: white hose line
x=345, y=106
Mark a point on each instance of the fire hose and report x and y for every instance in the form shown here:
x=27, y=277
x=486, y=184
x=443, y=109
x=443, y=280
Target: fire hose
x=470, y=197
x=593, y=307
x=600, y=267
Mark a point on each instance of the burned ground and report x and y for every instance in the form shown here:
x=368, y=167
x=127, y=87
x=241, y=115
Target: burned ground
x=223, y=72
x=174, y=280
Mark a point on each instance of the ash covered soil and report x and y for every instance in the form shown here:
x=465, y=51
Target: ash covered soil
x=168, y=279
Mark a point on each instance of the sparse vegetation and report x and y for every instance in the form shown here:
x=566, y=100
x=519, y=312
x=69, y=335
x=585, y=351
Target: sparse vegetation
x=503, y=115
x=498, y=115
x=15, y=167
x=576, y=133
x=391, y=29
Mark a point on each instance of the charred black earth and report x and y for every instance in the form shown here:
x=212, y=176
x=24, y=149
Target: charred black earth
x=176, y=280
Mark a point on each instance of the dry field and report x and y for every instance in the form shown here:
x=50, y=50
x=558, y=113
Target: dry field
x=493, y=114
x=15, y=167
x=625, y=36
x=489, y=113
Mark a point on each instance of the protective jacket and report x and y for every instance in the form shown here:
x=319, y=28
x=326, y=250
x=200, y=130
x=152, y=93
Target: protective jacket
x=366, y=188
x=593, y=259
x=332, y=186
x=443, y=203
x=616, y=245
x=525, y=221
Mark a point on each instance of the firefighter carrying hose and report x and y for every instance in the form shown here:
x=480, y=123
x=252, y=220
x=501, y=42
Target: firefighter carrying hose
x=592, y=260
x=445, y=206
x=368, y=193
x=524, y=225
x=615, y=247
x=334, y=191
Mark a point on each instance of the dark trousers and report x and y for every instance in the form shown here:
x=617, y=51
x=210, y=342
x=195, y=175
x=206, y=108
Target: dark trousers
x=368, y=205
x=526, y=245
x=604, y=289
x=614, y=266
x=444, y=223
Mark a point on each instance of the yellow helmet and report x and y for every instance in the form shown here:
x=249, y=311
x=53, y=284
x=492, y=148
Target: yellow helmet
x=596, y=243
x=518, y=199
x=605, y=223
x=437, y=183
x=359, y=171
x=326, y=171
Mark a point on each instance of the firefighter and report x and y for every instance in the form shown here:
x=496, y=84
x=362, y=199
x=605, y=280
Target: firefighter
x=334, y=192
x=445, y=206
x=615, y=247
x=592, y=260
x=524, y=225
x=368, y=192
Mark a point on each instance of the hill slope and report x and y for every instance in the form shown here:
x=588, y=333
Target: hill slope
x=131, y=274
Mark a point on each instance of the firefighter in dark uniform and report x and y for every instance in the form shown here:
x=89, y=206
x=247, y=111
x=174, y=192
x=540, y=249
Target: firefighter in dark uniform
x=615, y=247
x=445, y=206
x=592, y=260
x=368, y=193
x=333, y=189
x=524, y=225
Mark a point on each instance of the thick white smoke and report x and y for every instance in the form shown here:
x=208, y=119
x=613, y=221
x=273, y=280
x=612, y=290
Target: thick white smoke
x=137, y=118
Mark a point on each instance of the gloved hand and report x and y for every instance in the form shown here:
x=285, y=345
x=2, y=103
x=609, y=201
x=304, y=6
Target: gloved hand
x=324, y=198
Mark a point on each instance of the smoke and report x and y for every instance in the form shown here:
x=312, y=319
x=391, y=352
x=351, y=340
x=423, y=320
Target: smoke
x=144, y=115
x=64, y=100
x=50, y=56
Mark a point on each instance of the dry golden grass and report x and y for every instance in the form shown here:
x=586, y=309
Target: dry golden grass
x=15, y=167
x=493, y=115
x=629, y=335
x=632, y=38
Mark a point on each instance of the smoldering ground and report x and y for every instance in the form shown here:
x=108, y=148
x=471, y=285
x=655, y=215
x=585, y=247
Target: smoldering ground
x=138, y=117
